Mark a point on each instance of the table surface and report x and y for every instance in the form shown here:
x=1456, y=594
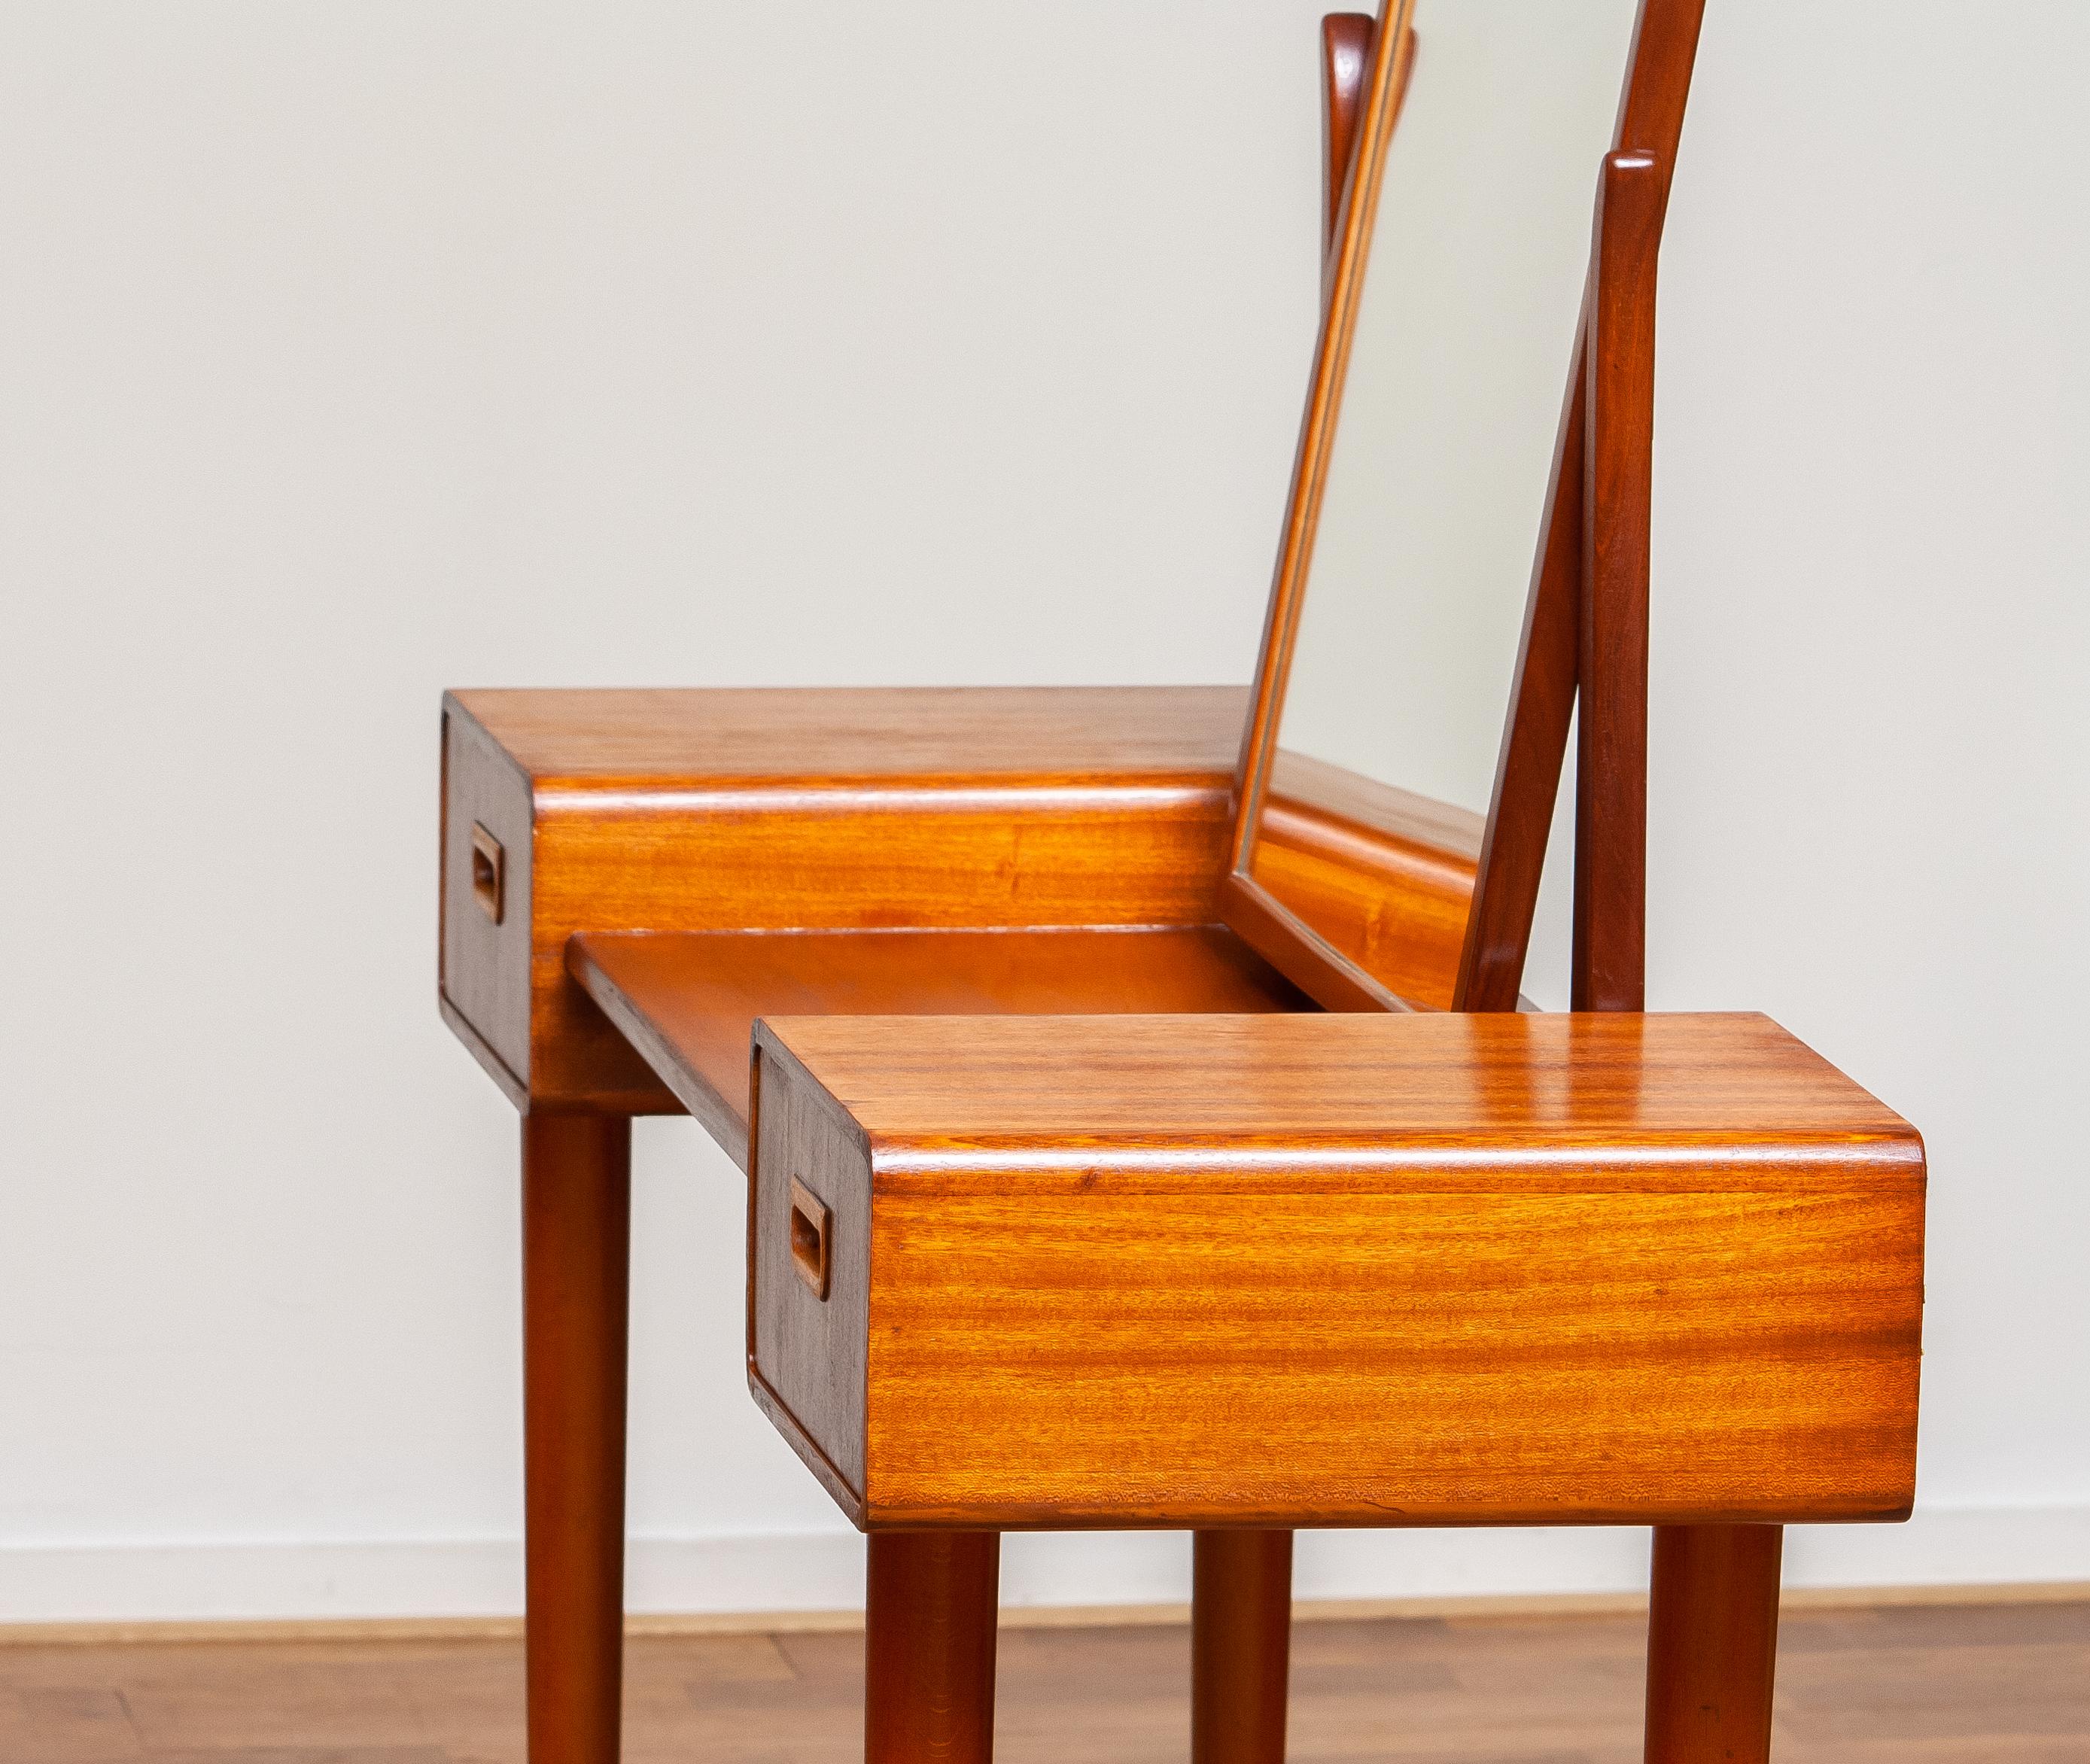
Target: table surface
x=1546, y=1087
x=688, y=1001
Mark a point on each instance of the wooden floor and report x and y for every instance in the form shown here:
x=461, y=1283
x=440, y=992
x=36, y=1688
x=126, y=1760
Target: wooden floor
x=1998, y=1684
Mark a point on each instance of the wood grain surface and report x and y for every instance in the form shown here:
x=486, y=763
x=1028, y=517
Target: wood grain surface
x=1298, y=952
x=1344, y=1270
x=1935, y=1685
x=646, y=738
x=736, y=810
x=688, y=1001
x=1385, y=875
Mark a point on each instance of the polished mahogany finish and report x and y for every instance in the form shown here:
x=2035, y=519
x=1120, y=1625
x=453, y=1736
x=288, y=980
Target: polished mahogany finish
x=1610, y=772
x=576, y=1256
x=658, y=810
x=1543, y=693
x=1346, y=41
x=1707, y=1316
x=1336, y=1270
x=1712, y=1644
x=829, y=809
x=1278, y=934
x=1241, y=1654
x=688, y=1001
x=929, y=1647
x=1383, y=875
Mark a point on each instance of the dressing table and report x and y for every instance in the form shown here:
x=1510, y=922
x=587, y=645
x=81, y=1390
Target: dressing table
x=1140, y=1126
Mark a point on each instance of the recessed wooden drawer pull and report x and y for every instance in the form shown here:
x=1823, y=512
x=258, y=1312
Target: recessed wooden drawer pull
x=489, y=872
x=811, y=1222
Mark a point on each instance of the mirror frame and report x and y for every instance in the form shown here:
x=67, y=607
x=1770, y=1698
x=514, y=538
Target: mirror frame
x=1657, y=85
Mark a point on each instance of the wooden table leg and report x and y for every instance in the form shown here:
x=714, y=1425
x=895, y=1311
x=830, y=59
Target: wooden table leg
x=1712, y=1644
x=1240, y=1645
x=929, y=1635
x=576, y=1269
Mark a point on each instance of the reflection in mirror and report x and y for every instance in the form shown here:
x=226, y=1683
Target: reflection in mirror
x=1414, y=590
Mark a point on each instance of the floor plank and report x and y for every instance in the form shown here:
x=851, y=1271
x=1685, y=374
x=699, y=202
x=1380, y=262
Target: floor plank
x=1926, y=1684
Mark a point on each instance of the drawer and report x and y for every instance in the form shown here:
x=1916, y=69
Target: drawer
x=1318, y=1270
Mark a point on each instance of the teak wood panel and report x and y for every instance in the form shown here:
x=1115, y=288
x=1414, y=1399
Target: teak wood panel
x=654, y=737
x=688, y=1000
x=1610, y=776
x=1326, y=1270
x=708, y=810
x=1385, y=875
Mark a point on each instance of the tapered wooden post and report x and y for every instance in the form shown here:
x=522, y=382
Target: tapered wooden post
x=1610, y=787
x=1542, y=693
x=1240, y=1645
x=1712, y=1644
x=1712, y=1623
x=929, y=1637
x=576, y=1261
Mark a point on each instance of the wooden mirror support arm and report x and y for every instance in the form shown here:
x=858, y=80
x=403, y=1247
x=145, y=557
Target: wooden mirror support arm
x=1543, y=693
x=1534, y=746
x=1713, y=1610
x=1611, y=778
x=1346, y=48
x=1346, y=41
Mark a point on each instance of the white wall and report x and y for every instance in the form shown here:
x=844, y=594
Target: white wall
x=348, y=352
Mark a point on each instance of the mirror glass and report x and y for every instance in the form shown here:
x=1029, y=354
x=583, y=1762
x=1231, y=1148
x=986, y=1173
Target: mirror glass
x=1436, y=486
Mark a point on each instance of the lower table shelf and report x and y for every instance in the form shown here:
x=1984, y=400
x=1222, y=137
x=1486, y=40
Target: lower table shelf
x=1110, y=1228
x=688, y=1000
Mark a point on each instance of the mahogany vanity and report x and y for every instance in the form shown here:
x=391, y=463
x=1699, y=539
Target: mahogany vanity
x=1142, y=1128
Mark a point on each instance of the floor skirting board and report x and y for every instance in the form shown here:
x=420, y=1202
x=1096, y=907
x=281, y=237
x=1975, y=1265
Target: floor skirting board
x=816, y=1579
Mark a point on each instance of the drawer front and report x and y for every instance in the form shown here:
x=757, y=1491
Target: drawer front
x=1226, y=1351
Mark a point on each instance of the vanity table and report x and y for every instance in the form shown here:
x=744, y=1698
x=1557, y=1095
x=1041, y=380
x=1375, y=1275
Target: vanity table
x=1140, y=1126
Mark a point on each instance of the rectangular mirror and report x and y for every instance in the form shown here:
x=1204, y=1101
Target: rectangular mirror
x=1455, y=283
